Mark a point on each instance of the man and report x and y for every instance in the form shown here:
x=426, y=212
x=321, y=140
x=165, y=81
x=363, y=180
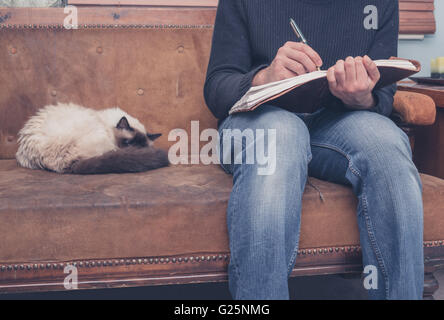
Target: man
x=351, y=140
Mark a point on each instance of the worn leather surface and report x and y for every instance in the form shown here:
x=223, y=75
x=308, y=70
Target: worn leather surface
x=176, y=210
x=156, y=75
x=414, y=108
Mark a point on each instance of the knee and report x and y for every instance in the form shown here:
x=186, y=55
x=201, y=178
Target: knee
x=383, y=148
x=286, y=132
x=384, y=163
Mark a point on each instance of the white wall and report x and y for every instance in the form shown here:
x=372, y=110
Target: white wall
x=429, y=48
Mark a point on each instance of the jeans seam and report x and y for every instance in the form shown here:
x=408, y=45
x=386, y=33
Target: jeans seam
x=295, y=250
x=293, y=258
x=334, y=148
x=235, y=204
x=367, y=219
x=371, y=235
x=232, y=256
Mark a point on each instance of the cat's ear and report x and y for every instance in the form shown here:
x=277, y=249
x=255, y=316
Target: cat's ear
x=153, y=136
x=123, y=124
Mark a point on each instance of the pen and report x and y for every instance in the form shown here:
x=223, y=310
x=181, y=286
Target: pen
x=299, y=34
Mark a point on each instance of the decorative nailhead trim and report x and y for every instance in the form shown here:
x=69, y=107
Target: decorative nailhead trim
x=106, y=26
x=186, y=259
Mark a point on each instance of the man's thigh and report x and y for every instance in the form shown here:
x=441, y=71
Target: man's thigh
x=267, y=125
x=264, y=117
x=342, y=140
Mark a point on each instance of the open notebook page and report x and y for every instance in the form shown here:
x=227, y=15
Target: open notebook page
x=259, y=93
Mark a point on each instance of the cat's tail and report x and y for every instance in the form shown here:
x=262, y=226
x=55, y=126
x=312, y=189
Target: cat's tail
x=124, y=160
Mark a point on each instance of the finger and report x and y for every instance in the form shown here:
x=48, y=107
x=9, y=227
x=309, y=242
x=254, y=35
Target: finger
x=350, y=70
x=294, y=66
x=331, y=78
x=372, y=69
x=361, y=71
x=340, y=73
x=301, y=58
x=314, y=56
x=280, y=70
x=286, y=74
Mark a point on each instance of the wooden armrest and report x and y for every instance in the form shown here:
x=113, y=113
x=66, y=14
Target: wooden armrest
x=414, y=108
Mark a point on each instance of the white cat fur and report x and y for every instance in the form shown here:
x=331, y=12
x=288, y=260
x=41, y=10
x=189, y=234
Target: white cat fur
x=57, y=129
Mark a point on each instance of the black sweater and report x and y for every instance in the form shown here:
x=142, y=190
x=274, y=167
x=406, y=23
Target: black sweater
x=248, y=33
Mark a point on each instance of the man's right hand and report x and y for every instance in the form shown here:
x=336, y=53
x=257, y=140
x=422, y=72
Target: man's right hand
x=292, y=59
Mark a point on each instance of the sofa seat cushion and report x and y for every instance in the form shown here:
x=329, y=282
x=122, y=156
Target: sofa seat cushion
x=177, y=210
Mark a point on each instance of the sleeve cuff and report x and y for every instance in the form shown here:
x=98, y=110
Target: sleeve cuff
x=247, y=79
x=382, y=106
x=376, y=107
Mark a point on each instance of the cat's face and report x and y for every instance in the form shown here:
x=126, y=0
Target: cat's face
x=127, y=136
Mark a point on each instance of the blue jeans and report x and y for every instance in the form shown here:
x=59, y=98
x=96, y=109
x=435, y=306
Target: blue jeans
x=360, y=148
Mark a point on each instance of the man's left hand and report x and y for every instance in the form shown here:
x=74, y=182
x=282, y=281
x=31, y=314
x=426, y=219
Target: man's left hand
x=353, y=81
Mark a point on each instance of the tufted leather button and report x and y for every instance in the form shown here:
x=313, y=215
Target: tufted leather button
x=99, y=50
x=10, y=138
x=13, y=50
x=54, y=93
x=140, y=92
x=180, y=49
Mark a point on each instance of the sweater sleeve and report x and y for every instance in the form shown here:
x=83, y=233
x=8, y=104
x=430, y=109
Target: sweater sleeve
x=384, y=46
x=230, y=71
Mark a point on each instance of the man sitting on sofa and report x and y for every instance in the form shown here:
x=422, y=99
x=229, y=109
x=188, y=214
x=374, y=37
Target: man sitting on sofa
x=349, y=141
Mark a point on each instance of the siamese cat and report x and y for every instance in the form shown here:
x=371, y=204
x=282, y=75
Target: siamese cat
x=68, y=138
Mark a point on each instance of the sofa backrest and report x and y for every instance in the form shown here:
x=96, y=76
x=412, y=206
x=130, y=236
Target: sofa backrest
x=155, y=74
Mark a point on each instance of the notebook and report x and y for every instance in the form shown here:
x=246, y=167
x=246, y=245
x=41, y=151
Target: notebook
x=308, y=92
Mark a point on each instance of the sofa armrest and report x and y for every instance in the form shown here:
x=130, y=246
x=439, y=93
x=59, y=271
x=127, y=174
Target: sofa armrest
x=414, y=108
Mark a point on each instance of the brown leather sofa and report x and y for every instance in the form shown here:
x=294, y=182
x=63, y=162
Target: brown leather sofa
x=161, y=227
